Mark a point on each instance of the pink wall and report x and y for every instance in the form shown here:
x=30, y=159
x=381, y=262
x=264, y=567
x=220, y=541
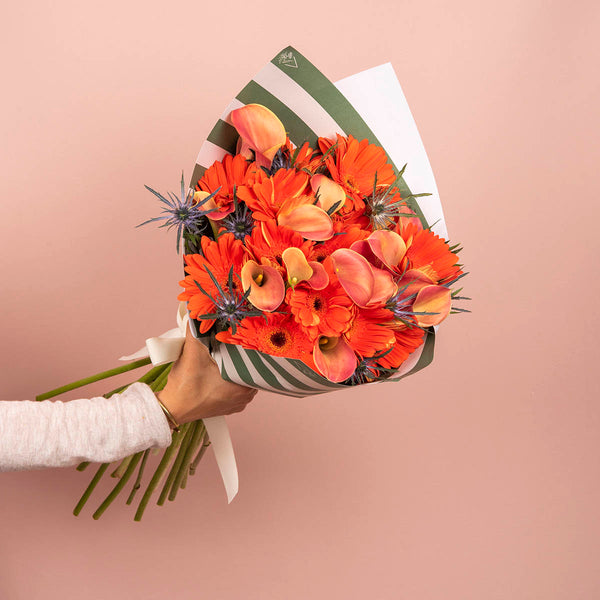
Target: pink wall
x=476, y=479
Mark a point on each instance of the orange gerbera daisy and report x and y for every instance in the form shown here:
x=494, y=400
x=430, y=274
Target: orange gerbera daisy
x=369, y=333
x=343, y=237
x=353, y=165
x=321, y=312
x=225, y=174
x=218, y=258
x=408, y=339
x=305, y=157
x=429, y=253
x=277, y=335
x=267, y=195
x=269, y=240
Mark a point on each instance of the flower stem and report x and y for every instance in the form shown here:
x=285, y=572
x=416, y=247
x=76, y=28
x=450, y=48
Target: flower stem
x=83, y=466
x=152, y=374
x=116, y=390
x=196, y=436
x=158, y=474
x=90, y=488
x=93, y=378
x=148, y=378
x=160, y=382
x=120, y=485
x=195, y=447
x=175, y=468
x=138, y=479
x=205, y=445
x=118, y=472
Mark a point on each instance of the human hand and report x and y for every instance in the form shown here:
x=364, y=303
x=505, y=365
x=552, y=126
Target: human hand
x=195, y=389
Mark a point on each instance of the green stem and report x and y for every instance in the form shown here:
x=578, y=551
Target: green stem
x=160, y=382
x=90, y=488
x=148, y=378
x=118, y=472
x=120, y=485
x=195, y=448
x=93, y=378
x=196, y=437
x=152, y=374
x=199, y=456
x=138, y=479
x=83, y=466
x=175, y=468
x=158, y=474
x=116, y=391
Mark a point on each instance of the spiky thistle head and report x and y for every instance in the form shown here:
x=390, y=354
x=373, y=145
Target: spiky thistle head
x=369, y=370
x=281, y=160
x=231, y=304
x=183, y=213
x=385, y=205
x=400, y=304
x=240, y=221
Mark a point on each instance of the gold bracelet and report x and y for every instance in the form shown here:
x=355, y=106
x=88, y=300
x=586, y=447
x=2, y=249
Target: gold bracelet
x=170, y=417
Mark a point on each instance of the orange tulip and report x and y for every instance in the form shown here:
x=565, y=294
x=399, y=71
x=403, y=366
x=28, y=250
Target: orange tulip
x=267, y=289
x=260, y=130
x=334, y=358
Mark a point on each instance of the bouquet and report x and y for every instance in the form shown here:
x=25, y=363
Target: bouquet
x=309, y=265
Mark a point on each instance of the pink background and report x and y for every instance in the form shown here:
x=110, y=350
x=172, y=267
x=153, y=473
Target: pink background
x=476, y=479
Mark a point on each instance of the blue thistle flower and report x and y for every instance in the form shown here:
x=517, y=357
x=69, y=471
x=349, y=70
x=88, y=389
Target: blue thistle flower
x=240, y=221
x=231, y=306
x=369, y=370
x=182, y=212
x=383, y=211
x=401, y=308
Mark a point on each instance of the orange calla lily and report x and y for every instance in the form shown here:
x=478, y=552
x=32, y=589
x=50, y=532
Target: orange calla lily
x=413, y=280
x=435, y=300
x=334, y=358
x=383, y=286
x=312, y=222
x=330, y=194
x=296, y=265
x=355, y=274
x=199, y=196
x=260, y=129
x=267, y=289
x=319, y=280
x=388, y=247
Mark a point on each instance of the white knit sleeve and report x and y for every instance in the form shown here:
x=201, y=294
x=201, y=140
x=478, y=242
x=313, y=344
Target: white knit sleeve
x=34, y=435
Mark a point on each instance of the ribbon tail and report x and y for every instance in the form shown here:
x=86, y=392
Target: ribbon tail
x=141, y=353
x=220, y=440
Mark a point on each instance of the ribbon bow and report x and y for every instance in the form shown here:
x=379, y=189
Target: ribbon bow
x=167, y=348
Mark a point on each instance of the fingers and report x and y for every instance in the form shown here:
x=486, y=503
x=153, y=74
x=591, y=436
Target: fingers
x=244, y=400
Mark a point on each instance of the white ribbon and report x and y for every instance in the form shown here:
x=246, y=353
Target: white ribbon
x=166, y=348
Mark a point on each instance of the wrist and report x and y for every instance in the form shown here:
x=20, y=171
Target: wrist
x=174, y=416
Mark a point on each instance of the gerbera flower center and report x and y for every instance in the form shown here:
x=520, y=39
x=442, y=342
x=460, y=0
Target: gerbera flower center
x=278, y=339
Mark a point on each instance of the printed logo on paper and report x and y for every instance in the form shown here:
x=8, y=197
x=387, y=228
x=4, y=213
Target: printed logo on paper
x=288, y=59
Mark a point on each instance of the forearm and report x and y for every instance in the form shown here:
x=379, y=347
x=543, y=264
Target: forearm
x=58, y=434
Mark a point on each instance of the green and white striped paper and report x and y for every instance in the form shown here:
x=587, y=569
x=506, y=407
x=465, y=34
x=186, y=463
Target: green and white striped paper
x=309, y=106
